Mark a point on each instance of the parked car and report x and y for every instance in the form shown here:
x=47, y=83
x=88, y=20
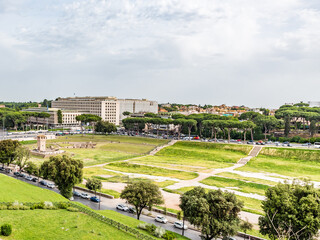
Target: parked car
x=29, y=178
x=161, y=219
x=34, y=179
x=2, y=168
x=180, y=225
x=77, y=194
x=250, y=142
x=51, y=185
x=228, y=238
x=131, y=210
x=95, y=199
x=16, y=174
x=43, y=182
x=85, y=195
x=122, y=207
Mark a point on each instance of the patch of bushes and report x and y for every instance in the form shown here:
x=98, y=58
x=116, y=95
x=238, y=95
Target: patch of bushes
x=169, y=236
x=72, y=209
x=6, y=229
x=296, y=139
x=153, y=230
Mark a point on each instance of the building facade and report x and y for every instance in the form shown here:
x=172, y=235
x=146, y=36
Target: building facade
x=105, y=107
x=314, y=104
x=68, y=117
x=108, y=108
x=136, y=106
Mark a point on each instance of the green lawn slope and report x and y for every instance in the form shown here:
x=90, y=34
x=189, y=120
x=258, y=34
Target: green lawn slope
x=15, y=190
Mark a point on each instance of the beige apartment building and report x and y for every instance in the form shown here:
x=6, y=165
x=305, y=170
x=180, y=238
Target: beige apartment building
x=68, y=117
x=105, y=107
x=108, y=108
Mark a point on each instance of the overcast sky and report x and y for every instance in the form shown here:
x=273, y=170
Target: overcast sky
x=251, y=52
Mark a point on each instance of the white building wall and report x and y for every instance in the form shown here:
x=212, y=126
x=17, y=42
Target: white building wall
x=136, y=106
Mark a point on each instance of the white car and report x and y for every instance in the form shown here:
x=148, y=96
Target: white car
x=161, y=219
x=51, y=185
x=122, y=207
x=180, y=225
x=85, y=195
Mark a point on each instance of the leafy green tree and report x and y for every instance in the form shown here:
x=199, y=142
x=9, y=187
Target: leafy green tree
x=142, y=194
x=267, y=122
x=189, y=123
x=59, y=113
x=291, y=211
x=215, y=213
x=126, y=113
x=15, y=118
x=94, y=185
x=245, y=226
x=105, y=127
x=88, y=118
x=150, y=115
x=32, y=168
x=178, y=123
x=64, y=171
x=22, y=156
x=8, y=151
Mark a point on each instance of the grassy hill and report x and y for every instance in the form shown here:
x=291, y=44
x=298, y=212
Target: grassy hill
x=15, y=190
x=287, y=162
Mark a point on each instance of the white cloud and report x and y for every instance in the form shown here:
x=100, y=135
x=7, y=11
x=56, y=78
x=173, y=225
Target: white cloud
x=126, y=47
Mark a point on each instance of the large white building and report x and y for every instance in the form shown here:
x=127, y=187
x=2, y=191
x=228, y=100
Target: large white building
x=108, y=108
x=136, y=106
x=314, y=104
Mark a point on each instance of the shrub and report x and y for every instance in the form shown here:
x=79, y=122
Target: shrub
x=24, y=207
x=62, y=205
x=151, y=228
x=143, y=226
x=159, y=232
x=169, y=236
x=3, y=207
x=73, y=209
x=48, y=205
x=6, y=229
x=37, y=206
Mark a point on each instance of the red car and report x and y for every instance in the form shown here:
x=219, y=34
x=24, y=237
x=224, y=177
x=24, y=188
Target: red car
x=196, y=138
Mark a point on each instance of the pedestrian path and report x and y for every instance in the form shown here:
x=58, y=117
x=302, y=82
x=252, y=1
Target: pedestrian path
x=157, y=149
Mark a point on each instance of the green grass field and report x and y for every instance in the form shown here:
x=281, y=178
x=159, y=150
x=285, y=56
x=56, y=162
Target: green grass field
x=250, y=179
x=187, y=164
x=155, y=171
x=110, y=138
x=57, y=224
x=294, y=163
x=235, y=184
x=284, y=166
x=193, y=153
x=15, y=190
x=108, y=149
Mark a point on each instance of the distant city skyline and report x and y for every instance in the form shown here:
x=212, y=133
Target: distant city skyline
x=247, y=52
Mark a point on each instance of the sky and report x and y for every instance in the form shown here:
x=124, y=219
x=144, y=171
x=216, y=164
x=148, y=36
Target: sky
x=256, y=53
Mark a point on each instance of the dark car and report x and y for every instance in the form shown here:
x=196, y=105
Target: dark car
x=44, y=183
x=95, y=199
x=34, y=179
x=17, y=174
x=2, y=168
x=131, y=210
